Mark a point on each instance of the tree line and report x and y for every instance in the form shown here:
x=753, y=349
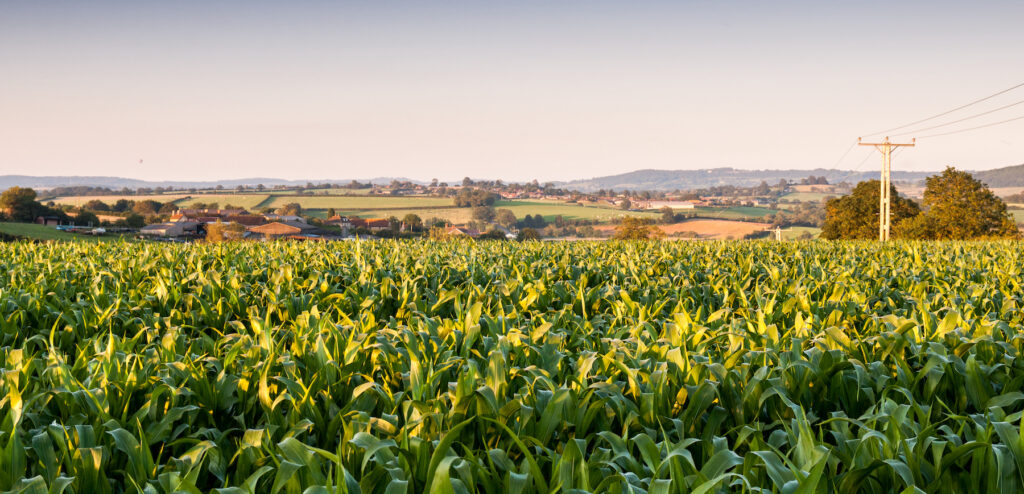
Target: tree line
x=955, y=206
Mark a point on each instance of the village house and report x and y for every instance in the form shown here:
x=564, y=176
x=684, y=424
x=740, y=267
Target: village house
x=173, y=229
x=372, y=224
x=340, y=222
x=461, y=231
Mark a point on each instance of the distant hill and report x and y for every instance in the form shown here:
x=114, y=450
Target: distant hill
x=1011, y=176
x=709, y=177
x=7, y=181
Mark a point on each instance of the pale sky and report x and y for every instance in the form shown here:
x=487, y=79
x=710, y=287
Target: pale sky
x=516, y=90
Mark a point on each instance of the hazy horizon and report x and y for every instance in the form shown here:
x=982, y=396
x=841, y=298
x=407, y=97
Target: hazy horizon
x=522, y=91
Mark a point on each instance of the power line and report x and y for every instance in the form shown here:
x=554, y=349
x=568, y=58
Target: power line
x=986, y=98
x=857, y=168
x=962, y=119
x=973, y=128
x=835, y=167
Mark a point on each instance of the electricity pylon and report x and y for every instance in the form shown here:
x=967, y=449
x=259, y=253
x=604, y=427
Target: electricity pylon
x=886, y=148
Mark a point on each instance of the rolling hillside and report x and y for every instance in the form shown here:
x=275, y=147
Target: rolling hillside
x=694, y=179
x=1010, y=176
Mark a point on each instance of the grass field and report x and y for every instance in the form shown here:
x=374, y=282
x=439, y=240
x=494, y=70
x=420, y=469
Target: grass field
x=333, y=192
x=367, y=203
x=795, y=232
x=40, y=232
x=1018, y=215
x=245, y=201
x=81, y=200
x=512, y=367
x=731, y=213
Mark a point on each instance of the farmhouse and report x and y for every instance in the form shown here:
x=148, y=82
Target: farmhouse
x=280, y=229
x=461, y=231
x=340, y=222
x=372, y=224
x=174, y=229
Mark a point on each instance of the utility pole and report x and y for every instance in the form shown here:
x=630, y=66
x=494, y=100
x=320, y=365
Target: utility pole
x=778, y=232
x=886, y=148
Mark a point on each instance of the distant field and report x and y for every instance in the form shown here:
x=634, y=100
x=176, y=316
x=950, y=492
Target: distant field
x=550, y=209
x=796, y=231
x=330, y=192
x=367, y=203
x=247, y=201
x=40, y=232
x=806, y=196
x=1007, y=191
x=918, y=191
x=1018, y=215
x=733, y=213
x=705, y=228
x=111, y=199
x=814, y=188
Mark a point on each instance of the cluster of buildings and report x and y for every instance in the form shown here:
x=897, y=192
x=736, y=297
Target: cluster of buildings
x=193, y=223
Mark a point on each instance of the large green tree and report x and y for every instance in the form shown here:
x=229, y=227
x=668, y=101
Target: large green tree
x=637, y=229
x=958, y=206
x=505, y=217
x=20, y=203
x=855, y=216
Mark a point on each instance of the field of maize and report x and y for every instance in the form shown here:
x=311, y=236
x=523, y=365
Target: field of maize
x=408, y=367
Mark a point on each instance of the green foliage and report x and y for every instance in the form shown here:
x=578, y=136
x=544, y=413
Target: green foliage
x=97, y=205
x=146, y=207
x=637, y=229
x=483, y=213
x=668, y=215
x=134, y=221
x=87, y=218
x=19, y=204
x=855, y=216
x=412, y=221
x=505, y=217
x=527, y=234
x=292, y=209
x=388, y=366
x=959, y=207
x=492, y=235
x=470, y=197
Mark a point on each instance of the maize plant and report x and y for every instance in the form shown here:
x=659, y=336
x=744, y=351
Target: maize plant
x=453, y=367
